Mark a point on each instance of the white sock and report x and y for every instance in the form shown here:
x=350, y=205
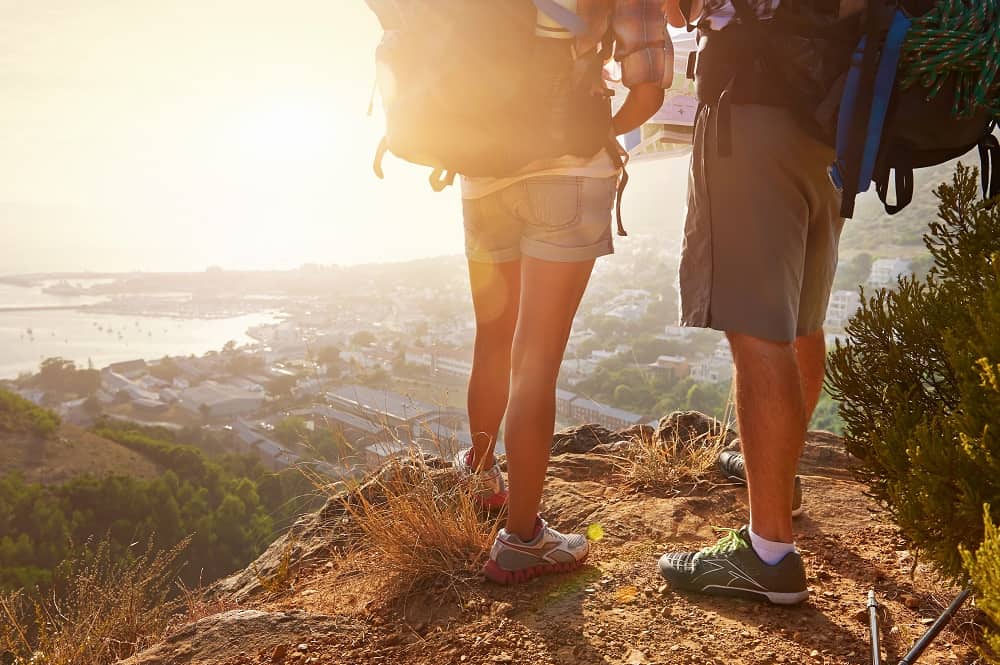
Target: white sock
x=769, y=551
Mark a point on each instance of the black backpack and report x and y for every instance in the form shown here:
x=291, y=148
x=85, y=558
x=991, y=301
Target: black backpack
x=469, y=88
x=840, y=77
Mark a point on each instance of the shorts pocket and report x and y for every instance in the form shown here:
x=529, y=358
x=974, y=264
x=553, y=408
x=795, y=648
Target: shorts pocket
x=554, y=202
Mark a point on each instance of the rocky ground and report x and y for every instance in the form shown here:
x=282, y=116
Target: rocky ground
x=322, y=607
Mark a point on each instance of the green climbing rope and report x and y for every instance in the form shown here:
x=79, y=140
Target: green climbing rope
x=958, y=40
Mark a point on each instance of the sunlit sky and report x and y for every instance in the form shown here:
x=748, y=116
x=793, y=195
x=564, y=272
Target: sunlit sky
x=152, y=135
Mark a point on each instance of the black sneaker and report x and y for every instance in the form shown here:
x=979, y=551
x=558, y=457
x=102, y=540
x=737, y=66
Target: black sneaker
x=731, y=567
x=732, y=466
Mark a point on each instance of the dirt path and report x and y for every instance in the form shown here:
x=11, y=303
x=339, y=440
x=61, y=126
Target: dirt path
x=616, y=609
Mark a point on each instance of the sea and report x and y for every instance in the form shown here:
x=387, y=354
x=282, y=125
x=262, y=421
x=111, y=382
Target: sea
x=28, y=337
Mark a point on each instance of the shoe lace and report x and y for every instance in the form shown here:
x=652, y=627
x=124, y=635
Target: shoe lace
x=730, y=541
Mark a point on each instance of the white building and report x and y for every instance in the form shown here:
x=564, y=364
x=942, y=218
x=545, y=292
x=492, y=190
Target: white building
x=676, y=367
x=712, y=370
x=588, y=411
x=679, y=333
x=843, y=305
x=886, y=272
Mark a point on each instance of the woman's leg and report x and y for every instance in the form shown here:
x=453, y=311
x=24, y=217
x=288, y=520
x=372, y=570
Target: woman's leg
x=495, y=296
x=550, y=294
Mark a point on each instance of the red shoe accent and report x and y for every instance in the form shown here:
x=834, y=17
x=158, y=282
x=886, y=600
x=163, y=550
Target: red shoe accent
x=495, y=573
x=494, y=501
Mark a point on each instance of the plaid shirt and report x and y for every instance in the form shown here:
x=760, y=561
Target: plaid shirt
x=641, y=43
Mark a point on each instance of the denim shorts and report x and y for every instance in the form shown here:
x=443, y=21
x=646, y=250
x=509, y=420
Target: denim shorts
x=560, y=218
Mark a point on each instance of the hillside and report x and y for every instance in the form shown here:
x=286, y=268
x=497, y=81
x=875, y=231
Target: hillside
x=34, y=444
x=901, y=235
x=69, y=453
x=323, y=594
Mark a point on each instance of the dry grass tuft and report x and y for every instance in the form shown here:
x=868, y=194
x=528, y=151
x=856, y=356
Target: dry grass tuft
x=197, y=603
x=652, y=463
x=665, y=465
x=424, y=524
x=102, y=609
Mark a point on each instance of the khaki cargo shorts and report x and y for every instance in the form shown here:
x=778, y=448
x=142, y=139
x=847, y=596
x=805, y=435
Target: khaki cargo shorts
x=560, y=218
x=762, y=229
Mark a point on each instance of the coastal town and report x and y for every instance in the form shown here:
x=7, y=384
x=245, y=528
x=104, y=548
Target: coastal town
x=343, y=380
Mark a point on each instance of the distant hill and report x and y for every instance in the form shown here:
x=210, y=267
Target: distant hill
x=70, y=453
x=35, y=444
x=886, y=236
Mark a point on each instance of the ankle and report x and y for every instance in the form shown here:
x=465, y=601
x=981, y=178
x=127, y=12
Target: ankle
x=770, y=552
x=526, y=532
x=481, y=461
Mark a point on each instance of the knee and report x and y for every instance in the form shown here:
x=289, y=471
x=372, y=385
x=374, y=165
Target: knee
x=746, y=348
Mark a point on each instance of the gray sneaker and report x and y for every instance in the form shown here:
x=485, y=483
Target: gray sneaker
x=487, y=484
x=733, y=467
x=513, y=560
x=731, y=567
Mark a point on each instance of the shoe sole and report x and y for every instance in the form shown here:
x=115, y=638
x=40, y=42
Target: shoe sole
x=495, y=573
x=796, y=512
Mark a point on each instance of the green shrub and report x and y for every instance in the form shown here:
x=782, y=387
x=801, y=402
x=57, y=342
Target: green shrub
x=984, y=568
x=919, y=388
x=18, y=415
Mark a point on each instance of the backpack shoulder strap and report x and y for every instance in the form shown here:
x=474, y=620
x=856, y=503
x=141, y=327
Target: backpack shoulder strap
x=563, y=16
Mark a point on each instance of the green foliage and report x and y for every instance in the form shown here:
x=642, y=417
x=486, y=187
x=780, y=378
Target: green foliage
x=330, y=355
x=327, y=443
x=18, y=415
x=239, y=362
x=165, y=370
x=230, y=507
x=363, y=338
x=918, y=383
x=854, y=273
x=282, y=385
x=984, y=570
x=651, y=392
x=827, y=416
x=61, y=377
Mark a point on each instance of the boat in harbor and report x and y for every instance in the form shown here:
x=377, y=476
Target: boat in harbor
x=64, y=288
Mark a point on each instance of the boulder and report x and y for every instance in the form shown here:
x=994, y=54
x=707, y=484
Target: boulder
x=691, y=428
x=587, y=438
x=235, y=632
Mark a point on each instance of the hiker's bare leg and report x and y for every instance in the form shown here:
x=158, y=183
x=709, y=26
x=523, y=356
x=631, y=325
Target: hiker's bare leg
x=496, y=290
x=771, y=416
x=550, y=295
x=810, y=351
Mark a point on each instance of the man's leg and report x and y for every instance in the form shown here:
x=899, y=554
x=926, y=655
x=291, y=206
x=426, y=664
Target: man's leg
x=810, y=351
x=495, y=297
x=770, y=410
x=550, y=294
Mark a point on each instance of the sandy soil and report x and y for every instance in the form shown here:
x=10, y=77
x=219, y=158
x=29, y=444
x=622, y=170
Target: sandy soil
x=617, y=610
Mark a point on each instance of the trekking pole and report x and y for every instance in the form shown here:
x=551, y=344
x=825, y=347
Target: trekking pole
x=936, y=628
x=873, y=626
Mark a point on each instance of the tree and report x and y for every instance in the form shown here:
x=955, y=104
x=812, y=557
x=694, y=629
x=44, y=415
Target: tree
x=855, y=273
x=919, y=383
x=165, y=370
x=282, y=385
x=328, y=355
x=60, y=376
x=363, y=338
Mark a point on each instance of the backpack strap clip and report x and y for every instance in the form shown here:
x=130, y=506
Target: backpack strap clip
x=989, y=157
x=441, y=179
x=383, y=147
